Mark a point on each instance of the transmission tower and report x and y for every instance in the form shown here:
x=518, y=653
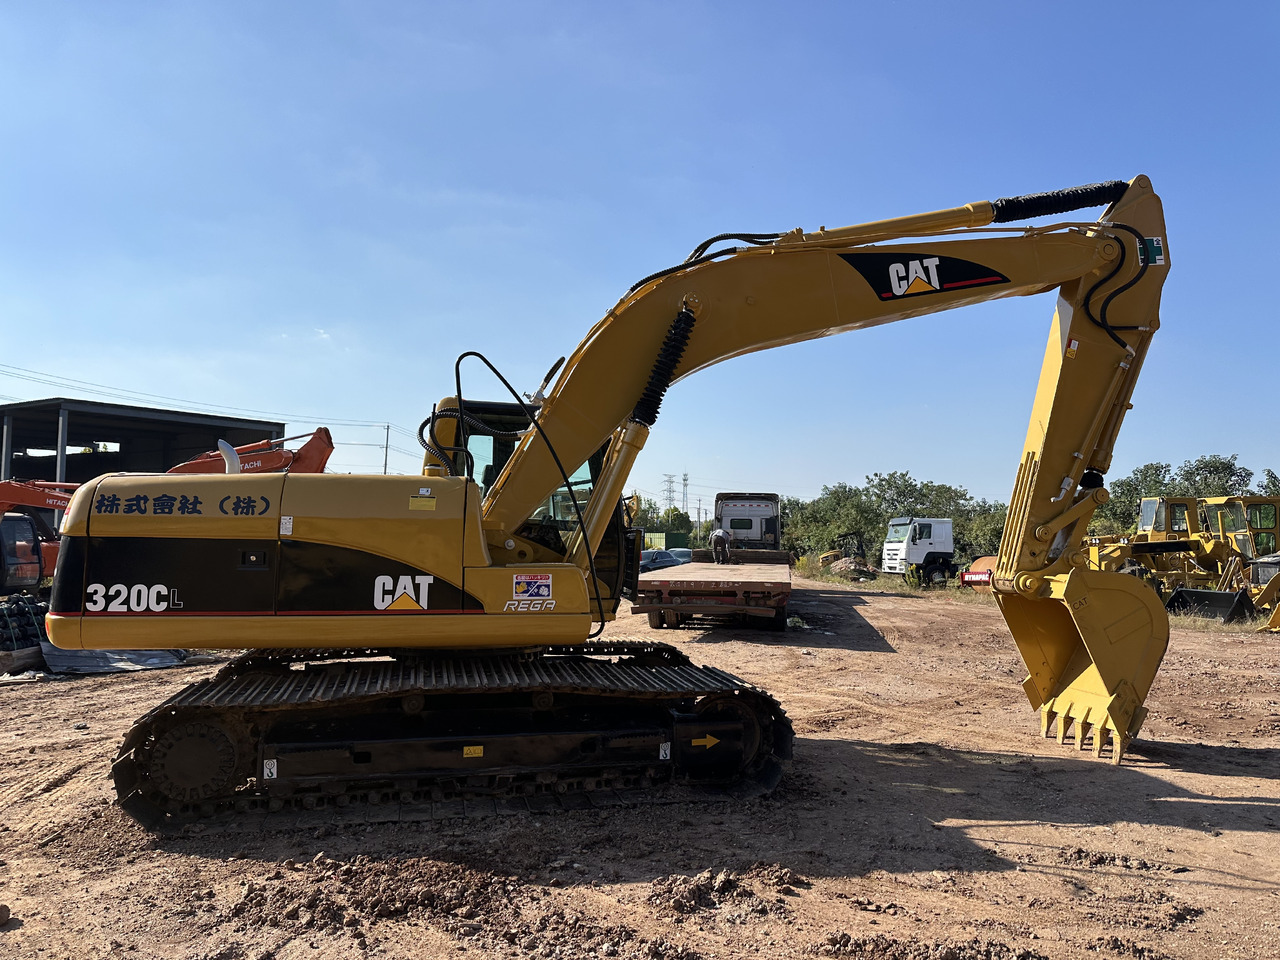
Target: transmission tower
x=669, y=490
x=684, y=497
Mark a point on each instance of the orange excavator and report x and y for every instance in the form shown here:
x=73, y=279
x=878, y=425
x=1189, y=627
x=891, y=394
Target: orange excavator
x=265, y=456
x=29, y=544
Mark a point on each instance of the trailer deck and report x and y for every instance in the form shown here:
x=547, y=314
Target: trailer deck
x=756, y=590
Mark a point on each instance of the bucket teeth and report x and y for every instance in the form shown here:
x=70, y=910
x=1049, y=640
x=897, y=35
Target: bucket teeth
x=1118, y=743
x=1087, y=733
x=1100, y=734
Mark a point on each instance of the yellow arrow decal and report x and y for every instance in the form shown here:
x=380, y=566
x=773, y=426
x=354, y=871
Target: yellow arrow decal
x=708, y=741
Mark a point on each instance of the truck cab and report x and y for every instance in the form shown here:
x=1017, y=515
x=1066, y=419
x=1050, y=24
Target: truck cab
x=751, y=519
x=919, y=548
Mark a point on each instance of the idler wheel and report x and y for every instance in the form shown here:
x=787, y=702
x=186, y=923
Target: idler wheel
x=729, y=707
x=193, y=761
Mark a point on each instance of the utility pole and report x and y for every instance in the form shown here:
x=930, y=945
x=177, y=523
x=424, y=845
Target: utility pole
x=684, y=498
x=699, y=510
x=386, y=447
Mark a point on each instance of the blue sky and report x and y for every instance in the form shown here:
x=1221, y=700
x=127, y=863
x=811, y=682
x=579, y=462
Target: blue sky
x=307, y=211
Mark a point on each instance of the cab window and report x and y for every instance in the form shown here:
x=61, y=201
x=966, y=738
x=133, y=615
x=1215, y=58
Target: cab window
x=1147, y=516
x=1178, y=518
x=1266, y=543
x=924, y=531
x=1262, y=516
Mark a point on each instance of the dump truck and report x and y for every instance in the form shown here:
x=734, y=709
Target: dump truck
x=415, y=639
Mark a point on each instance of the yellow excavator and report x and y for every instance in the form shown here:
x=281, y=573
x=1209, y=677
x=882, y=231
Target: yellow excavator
x=434, y=637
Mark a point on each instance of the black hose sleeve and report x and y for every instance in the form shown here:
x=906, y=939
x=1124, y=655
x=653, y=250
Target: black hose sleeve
x=680, y=266
x=1057, y=201
x=753, y=238
x=431, y=447
x=477, y=426
x=664, y=368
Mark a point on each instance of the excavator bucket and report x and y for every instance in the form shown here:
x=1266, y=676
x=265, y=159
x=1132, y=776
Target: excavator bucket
x=1222, y=605
x=1092, y=647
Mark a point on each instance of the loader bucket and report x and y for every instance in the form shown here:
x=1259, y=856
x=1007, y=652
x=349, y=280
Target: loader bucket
x=1221, y=605
x=1272, y=625
x=1092, y=647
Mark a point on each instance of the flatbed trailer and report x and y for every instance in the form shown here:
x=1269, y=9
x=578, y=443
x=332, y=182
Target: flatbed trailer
x=756, y=591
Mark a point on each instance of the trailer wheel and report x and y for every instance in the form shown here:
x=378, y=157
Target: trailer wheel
x=655, y=619
x=779, y=622
x=672, y=618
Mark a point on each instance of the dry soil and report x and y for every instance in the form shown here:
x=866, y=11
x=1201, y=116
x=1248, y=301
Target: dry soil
x=923, y=818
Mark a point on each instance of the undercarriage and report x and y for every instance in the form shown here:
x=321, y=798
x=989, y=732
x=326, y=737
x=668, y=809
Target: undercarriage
x=313, y=730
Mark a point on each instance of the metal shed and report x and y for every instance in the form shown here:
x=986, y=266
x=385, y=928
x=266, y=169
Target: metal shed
x=73, y=440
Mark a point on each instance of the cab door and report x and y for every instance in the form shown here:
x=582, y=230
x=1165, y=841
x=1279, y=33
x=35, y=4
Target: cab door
x=20, y=550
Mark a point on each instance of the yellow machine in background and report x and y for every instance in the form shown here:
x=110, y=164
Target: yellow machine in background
x=1199, y=553
x=480, y=584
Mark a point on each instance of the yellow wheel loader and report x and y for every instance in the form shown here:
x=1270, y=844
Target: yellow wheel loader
x=433, y=638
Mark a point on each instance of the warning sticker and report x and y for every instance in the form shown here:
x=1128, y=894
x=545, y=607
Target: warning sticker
x=1072, y=347
x=531, y=586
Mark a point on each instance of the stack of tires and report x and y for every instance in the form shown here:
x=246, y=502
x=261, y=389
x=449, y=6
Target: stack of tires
x=21, y=629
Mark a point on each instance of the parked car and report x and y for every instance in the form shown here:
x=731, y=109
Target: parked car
x=657, y=560
x=683, y=554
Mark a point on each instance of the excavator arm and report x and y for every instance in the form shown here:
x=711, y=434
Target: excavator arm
x=1091, y=641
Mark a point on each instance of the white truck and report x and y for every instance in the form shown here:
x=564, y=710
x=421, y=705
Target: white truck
x=751, y=519
x=920, y=549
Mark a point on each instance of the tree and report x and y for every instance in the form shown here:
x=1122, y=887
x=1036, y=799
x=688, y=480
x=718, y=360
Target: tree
x=674, y=520
x=856, y=518
x=1270, y=485
x=645, y=513
x=1212, y=475
x=977, y=531
x=1120, y=513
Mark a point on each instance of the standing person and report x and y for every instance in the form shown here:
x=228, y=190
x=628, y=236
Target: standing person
x=720, y=545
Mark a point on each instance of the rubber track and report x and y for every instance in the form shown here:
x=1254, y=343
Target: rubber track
x=261, y=680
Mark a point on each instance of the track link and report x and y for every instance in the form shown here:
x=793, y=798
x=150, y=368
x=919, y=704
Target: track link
x=323, y=730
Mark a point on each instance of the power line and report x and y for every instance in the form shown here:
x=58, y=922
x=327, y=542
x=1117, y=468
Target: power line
x=134, y=396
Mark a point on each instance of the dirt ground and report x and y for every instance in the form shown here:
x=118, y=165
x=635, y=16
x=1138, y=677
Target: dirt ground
x=923, y=819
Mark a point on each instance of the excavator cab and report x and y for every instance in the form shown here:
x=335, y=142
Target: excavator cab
x=1168, y=518
x=481, y=449
x=20, y=552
